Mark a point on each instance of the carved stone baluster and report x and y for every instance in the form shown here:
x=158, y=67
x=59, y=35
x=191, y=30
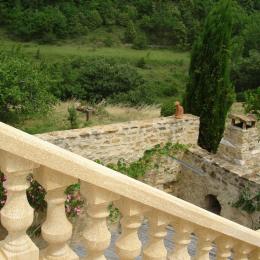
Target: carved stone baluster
x=155, y=250
x=17, y=215
x=57, y=229
x=206, y=238
x=128, y=246
x=97, y=236
x=182, y=238
x=242, y=251
x=224, y=247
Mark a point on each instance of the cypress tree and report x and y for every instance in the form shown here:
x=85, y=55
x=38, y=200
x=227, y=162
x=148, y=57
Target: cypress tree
x=209, y=91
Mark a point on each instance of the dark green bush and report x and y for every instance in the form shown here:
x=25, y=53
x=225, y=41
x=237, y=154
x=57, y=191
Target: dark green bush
x=93, y=19
x=108, y=41
x=139, y=96
x=140, y=42
x=246, y=72
x=46, y=24
x=130, y=32
x=94, y=79
x=168, y=108
x=73, y=117
x=141, y=63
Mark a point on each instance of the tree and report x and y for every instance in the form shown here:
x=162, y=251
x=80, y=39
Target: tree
x=209, y=91
x=24, y=87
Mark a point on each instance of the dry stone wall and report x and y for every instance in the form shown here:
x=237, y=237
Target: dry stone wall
x=126, y=140
x=222, y=180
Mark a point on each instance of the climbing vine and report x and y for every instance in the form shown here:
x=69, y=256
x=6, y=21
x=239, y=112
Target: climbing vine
x=247, y=201
x=149, y=160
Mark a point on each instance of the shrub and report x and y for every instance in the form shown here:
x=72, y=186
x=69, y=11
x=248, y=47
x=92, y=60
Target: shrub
x=245, y=73
x=93, y=79
x=168, y=108
x=24, y=86
x=73, y=117
x=252, y=103
x=141, y=63
x=122, y=19
x=140, y=42
x=130, y=32
x=108, y=41
x=45, y=24
x=93, y=19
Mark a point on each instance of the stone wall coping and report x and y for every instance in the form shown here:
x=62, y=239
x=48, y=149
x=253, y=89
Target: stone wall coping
x=235, y=169
x=113, y=128
x=48, y=155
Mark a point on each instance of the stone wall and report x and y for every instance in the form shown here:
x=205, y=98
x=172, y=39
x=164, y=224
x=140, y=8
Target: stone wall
x=128, y=140
x=222, y=180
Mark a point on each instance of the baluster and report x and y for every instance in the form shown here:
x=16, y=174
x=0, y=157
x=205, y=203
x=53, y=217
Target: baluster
x=182, y=238
x=155, y=250
x=128, y=246
x=242, y=251
x=96, y=235
x=224, y=247
x=17, y=214
x=57, y=229
x=206, y=238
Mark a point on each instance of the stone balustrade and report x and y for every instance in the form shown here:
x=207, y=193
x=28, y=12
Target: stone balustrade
x=55, y=169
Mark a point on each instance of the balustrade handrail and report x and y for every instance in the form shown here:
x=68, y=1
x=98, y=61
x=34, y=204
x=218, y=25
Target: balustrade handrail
x=46, y=154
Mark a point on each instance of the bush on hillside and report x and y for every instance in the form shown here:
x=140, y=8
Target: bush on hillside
x=94, y=79
x=140, y=42
x=46, y=24
x=130, y=32
x=246, y=72
x=142, y=95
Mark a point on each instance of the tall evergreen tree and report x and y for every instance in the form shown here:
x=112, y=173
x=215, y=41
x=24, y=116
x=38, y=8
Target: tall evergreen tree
x=209, y=90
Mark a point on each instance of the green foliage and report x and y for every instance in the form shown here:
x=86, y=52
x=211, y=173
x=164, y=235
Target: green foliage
x=140, y=42
x=130, y=32
x=168, y=108
x=149, y=160
x=247, y=201
x=46, y=24
x=209, y=90
x=252, y=102
x=141, y=95
x=164, y=22
x=36, y=195
x=246, y=72
x=24, y=86
x=141, y=63
x=93, y=19
x=73, y=117
x=74, y=203
x=94, y=79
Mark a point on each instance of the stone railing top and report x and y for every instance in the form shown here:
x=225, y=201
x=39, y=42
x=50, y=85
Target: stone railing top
x=110, y=128
x=43, y=153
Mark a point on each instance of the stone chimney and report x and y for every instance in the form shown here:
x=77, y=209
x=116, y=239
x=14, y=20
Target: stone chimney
x=241, y=141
